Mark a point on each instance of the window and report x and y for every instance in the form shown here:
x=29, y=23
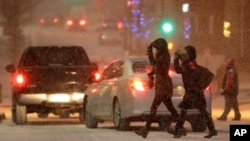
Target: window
x=43, y=56
x=114, y=70
x=141, y=67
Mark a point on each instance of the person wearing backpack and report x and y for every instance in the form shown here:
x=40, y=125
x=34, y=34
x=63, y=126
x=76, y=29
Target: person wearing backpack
x=195, y=79
x=163, y=83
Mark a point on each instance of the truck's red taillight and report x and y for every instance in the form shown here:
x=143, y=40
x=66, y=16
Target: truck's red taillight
x=20, y=80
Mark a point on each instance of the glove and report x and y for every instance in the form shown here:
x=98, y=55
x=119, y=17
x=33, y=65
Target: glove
x=150, y=81
x=221, y=91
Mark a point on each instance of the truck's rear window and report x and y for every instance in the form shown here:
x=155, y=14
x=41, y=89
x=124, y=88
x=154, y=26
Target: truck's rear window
x=44, y=56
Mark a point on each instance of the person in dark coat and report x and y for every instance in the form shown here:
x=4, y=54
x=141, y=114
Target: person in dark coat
x=163, y=82
x=195, y=79
x=230, y=90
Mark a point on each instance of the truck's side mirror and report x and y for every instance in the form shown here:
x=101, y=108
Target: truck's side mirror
x=10, y=68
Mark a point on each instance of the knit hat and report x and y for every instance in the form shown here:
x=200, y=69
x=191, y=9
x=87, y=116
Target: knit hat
x=191, y=52
x=230, y=63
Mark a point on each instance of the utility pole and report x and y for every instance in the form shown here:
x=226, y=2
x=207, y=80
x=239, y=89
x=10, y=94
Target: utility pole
x=12, y=11
x=11, y=14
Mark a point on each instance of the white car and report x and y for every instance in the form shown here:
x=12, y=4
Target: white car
x=123, y=96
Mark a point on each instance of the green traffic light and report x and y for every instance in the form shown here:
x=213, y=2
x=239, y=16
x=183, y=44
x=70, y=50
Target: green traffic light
x=167, y=27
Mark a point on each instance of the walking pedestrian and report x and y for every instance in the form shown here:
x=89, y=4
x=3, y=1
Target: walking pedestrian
x=195, y=79
x=163, y=82
x=230, y=90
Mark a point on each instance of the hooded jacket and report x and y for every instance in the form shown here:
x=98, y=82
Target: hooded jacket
x=230, y=79
x=195, y=79
x=161, y=63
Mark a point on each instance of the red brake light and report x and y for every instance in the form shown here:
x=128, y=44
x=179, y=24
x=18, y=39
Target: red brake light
x=19, y=80
x=170, y=72
x=69, y=22
x=138, y=85
x=97, y=76
x=207, y=89
x=119, y=25
x=42, y=21
x=82, y=22
x=55, y=20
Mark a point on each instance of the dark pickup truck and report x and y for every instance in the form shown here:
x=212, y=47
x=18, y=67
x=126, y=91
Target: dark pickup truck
x=50, y=79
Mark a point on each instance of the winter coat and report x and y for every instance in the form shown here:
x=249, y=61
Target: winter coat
x=230, y=82
x=163, y=82
x=195, y=80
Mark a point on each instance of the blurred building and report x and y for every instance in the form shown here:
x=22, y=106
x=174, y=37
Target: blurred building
x=220, y=26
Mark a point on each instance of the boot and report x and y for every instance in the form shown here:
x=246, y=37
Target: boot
x=143, y=132
x=222, y=118
x=178, y=132
x=237, y=118
x=211, y=133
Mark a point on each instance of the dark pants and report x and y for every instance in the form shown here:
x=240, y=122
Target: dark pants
x=204, y=113
x=231, y=101
x=158, y=99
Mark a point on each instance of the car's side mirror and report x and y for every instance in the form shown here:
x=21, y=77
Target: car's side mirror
x=10, y=68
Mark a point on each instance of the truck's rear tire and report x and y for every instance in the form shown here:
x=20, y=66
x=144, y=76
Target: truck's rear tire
x=20, y=114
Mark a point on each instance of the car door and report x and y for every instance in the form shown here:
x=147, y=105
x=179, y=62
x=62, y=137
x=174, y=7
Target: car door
x=108, y=88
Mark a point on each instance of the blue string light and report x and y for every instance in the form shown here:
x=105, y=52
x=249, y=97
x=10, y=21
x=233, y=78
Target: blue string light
x=138, y=24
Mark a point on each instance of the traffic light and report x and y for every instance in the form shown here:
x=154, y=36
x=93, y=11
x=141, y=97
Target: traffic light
x=226, y=29
x=167, y=27
x=170, y=45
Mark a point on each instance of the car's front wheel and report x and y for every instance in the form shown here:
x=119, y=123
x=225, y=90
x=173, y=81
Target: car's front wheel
x=82, y=112
x=119, y=122
x=90, y=121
